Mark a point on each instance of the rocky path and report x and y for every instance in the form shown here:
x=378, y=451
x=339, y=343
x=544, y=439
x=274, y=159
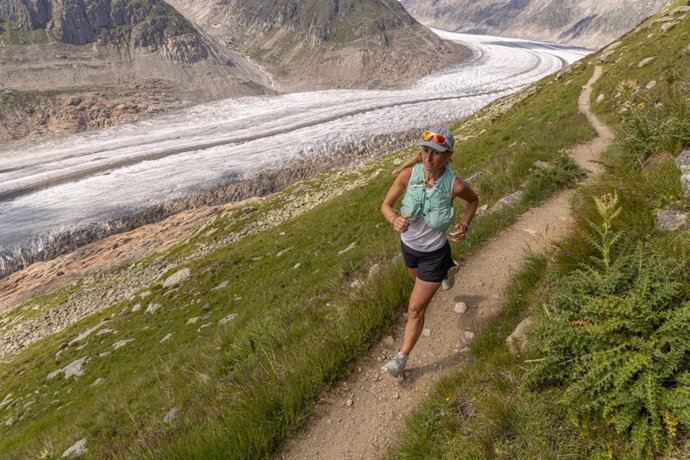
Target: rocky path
x=362, y=415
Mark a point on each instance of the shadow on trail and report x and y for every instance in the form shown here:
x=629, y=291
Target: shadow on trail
x=412, y=374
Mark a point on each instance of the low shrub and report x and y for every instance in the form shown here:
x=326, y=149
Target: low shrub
x=615, y=336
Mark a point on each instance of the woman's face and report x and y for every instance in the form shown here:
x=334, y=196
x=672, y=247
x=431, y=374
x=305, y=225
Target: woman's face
x=434, y=161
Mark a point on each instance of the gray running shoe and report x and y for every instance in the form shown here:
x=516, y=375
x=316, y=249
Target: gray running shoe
x=449, y=281
x=396, y=366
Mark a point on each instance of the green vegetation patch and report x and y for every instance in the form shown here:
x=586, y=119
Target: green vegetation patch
x=485, y=410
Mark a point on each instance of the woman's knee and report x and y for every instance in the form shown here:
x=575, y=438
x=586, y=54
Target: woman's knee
x=415, y=310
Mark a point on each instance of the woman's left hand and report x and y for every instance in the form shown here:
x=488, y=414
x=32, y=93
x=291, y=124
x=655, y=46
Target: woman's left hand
x=459, y=233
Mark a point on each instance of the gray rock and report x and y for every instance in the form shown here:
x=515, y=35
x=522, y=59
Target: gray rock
x=517, y=341
x=192, y=320
x=508, y=201
x=389, y=341
x=106, y=331
x=167, y=337
x=9, y=421
x=6, y=402
x=460, y=307
x=645, y=61
x=73, y=369
x=600, y=98
x=668, y=26
x=153, y=308
x=670, y=220
x=136, y=308
x=98, y=381
x=81, y=337
x=77, y=449
x=651, y=84
x=222, y=285
x=227, y=319
x=178, y=277
x=121, y=343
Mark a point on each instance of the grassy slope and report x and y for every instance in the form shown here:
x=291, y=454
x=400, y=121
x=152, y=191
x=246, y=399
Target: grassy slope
x=241, y=388
x=485, y=410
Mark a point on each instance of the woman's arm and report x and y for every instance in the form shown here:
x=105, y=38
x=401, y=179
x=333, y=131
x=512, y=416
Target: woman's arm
x=461, y=189
x=397, y=189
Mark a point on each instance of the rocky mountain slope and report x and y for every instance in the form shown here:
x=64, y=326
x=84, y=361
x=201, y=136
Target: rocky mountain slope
x=128, y=40
x=587, y=23
x=334, y=43
x=79, y=64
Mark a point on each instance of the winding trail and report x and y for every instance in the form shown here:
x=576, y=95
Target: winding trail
x=362, y=415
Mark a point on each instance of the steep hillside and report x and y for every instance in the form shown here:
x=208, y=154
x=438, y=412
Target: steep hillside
x=220, y=346
x=107, y=53
x=585, y=23
x=317, y=44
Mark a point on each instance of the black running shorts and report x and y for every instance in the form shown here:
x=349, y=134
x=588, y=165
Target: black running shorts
x=431, y=266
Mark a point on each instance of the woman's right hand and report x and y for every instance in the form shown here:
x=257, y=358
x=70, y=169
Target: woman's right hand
x=400, y=223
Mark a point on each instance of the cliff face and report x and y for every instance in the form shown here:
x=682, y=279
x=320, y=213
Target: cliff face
x=326, y=43
x=139, y=54
x=589, y=23
x=153, y=25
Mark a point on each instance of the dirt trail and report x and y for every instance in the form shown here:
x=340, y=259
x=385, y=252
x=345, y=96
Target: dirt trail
x=363, y=414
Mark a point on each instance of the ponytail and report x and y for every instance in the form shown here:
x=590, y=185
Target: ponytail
x=411, y=161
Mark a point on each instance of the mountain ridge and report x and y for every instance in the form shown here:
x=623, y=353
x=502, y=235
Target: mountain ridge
x=583, y=23
x=318, y=44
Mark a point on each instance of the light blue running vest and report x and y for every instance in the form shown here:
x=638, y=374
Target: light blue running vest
x=437, y=207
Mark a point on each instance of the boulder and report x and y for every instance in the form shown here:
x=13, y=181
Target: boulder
x=508, y=201
x=178, y=277
x=645, y=61
x=76, y=450
x=670, y=220
x=517, y=340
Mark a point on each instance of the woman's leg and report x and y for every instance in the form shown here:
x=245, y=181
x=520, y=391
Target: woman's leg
x=422, y=292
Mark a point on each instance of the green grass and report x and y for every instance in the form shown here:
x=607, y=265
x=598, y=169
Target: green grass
x=485, y=410
x=244, y=387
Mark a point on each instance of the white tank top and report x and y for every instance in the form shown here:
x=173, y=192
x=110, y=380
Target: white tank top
x=420, y=237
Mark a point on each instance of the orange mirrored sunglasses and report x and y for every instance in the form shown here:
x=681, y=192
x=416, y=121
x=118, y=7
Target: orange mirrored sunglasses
x=436, y=138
